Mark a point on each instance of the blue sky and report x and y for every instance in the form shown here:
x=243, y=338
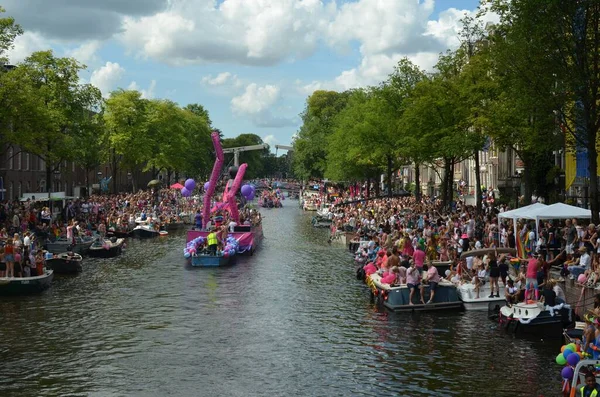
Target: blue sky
x=251, y=63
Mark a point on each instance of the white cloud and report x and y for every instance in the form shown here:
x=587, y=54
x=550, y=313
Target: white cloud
x=26, y=44
x=222, y=79
x=270, y=140
x=256, y=103
x=86, y=52
x=146, y=93
x=107, y=77
x=255, y=99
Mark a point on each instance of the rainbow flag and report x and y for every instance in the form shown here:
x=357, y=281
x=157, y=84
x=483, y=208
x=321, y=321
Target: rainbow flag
x=524, y=246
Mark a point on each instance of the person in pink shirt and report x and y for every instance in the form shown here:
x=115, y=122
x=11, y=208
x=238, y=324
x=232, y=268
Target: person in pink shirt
x=531, y=277
x=419, y=257
x=412, y=280
x=433, y=277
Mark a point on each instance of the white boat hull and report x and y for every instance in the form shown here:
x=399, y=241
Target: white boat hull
x=467, y=294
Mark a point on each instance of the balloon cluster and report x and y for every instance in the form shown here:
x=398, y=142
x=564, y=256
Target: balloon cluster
x=231, y=246
x=248, y=192
x=189, y=186
x=191, y=248
x=569, y=356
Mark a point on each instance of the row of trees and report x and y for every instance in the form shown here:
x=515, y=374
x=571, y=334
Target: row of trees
x=526, y=83
x=45, y=109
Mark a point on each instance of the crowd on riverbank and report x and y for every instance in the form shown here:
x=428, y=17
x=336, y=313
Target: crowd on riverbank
x=401, y=233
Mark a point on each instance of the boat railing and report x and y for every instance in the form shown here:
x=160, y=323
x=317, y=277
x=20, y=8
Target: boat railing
x=581, y=369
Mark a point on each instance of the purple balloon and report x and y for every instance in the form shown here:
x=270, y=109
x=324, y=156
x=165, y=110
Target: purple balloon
x=567, y=373
x=190, y=184
x=246, y=190
x=206, y=185
x=573, y=359
x=250, y=197
x=185, y=192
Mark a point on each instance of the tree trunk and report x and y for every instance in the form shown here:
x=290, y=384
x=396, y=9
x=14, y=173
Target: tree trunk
x=49, y=186
x=377, y=185
x=593, y=167
x=446, y=191
x=477, y=181
x=389, y=175
x=418, y=182
x=114, y=172
x=451, y=185
x=368, y=187
x=527, y=181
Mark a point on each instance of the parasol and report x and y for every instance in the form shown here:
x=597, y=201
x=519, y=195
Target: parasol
x=176, y=186
x=154, y=182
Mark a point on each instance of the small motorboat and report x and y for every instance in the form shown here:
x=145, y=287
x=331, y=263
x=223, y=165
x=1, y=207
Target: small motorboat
x=396, y=298
x=468, y=295
x=81, y=246
x=119, y=233
x=26, y=285
x=145, y=231
x=107, y=248
x=64, y=263
x=534, y=318
x=321, y=222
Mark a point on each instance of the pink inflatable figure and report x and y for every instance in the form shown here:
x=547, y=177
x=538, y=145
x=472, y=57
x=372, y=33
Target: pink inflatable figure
x=214, y=177
x=231, y=191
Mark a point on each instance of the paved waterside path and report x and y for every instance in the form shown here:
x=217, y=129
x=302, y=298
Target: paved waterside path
x=290, y=320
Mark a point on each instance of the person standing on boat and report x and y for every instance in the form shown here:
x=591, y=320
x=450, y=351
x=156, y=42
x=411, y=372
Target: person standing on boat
x=212, y=242
x=433, y=278
x=531, y=278
x=494, y=274
x=412, y=281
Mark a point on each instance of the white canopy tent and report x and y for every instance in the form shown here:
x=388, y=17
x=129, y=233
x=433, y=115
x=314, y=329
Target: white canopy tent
x=520, y=213
x=559, y=211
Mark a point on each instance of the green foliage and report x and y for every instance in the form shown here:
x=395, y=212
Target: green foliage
x=9, y=30
x=254, y=158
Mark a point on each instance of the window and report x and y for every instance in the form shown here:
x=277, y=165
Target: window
x=42, y=164
x=9, y=160
x=11, y=190
x=20, y=189
x=27, y=161
x=28, y=186
x=19, y=162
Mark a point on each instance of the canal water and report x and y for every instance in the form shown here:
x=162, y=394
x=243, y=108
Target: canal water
x=290, y=320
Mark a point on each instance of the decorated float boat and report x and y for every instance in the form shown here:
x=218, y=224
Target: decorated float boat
x=248, y=237
x=145, y=231
x=26, y=285
x=309, y=206
x=267, y=203
x=534, y=318
x=107, y=248
x=396, y=298
x=64, y=263
x=198, y=255
x=81, y=246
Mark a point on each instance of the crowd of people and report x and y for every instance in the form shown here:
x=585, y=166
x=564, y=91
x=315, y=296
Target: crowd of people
x=403, y=234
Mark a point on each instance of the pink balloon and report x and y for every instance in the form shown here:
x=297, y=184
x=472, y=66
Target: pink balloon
x=581, y=279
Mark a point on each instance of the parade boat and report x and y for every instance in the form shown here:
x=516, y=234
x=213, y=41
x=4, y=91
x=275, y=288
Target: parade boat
x=26, y=285
x=145, y=231
x=64, y=263
x=107, y=248
x=199, y=255
x=60, y=245
x=396, y=298
x=534, y=318
x=248, y=237
x=309, y=205
x=468, y=295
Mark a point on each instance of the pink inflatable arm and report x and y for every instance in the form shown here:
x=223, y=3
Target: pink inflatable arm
x=214, y=177
x=230, y=195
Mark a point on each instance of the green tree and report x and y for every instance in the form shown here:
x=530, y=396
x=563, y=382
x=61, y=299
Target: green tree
x=199, y=111
x=254, y=158
x=553, y=46
x=128, y=142
x=63, y=108
x=310, y=145
x=9, y=30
